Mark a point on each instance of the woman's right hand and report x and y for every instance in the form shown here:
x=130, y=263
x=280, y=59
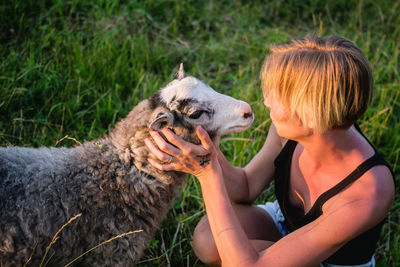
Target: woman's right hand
x=183, y=156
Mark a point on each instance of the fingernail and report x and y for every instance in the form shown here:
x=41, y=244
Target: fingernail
x=200, y=129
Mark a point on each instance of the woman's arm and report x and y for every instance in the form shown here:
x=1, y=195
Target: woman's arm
x=243, y=185
x=260, y=170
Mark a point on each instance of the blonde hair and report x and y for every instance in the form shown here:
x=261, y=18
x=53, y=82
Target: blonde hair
x=326, y=82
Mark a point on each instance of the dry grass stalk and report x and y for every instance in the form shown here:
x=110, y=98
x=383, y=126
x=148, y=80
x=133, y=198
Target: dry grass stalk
x=67, y=137
x=30, y=258
x=55, y=237
x=101, y=244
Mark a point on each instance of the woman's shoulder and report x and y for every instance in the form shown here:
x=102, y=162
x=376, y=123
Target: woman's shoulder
x=376, y=186
x=370, y=197
x=376, y=181
x=370, y=187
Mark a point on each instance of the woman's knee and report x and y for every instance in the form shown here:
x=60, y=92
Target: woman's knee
x=256, y=222
x=203, y=243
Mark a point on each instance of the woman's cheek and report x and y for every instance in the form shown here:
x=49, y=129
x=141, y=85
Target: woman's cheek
x=278, y=115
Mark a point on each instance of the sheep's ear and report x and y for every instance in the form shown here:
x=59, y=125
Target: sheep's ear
x=180, y=74
x=162, y=120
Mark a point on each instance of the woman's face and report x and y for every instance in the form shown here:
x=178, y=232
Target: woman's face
x=290, y=127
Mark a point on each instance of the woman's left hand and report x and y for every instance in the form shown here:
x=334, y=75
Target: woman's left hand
x=183, y=156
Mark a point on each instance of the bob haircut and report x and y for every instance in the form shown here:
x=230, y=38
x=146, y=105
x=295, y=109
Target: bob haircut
x=326, y=82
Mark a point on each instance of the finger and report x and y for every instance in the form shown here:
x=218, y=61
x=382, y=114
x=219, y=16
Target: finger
x=164, y=146
x=182, y=144
x=161, y=167
x=157, y=152
x=174, y=139
x=205, y=139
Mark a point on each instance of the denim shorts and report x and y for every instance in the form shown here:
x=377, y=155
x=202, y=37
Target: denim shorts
x=275, y=212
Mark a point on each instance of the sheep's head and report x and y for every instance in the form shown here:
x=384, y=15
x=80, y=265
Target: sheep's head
x=183, y=104
x=187, y=102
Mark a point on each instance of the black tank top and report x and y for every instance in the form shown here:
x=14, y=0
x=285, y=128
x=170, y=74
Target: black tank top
x=358, y=250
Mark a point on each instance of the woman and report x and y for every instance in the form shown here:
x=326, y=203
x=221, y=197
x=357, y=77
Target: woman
x=333, y=189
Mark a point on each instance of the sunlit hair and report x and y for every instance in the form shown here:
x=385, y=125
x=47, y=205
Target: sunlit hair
x=326, y=82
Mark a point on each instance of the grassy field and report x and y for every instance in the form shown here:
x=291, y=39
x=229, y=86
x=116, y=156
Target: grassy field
x=70, y=69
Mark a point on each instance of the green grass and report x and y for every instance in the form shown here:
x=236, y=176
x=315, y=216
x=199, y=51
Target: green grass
x=75, y=67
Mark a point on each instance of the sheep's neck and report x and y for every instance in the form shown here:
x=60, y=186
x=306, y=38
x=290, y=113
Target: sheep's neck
x=128, y=139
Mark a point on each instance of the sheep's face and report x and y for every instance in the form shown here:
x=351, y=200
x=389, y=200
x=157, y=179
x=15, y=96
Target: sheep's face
x=187, y=102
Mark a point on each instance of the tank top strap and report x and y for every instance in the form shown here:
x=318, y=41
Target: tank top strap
x=375, y=160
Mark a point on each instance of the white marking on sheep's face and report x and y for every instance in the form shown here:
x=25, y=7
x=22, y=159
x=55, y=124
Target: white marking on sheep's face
x=191, y=102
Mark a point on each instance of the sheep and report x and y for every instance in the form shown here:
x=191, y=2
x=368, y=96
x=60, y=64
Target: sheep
x=108, y=181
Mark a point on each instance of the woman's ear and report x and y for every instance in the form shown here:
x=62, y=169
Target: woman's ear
x=310, y=124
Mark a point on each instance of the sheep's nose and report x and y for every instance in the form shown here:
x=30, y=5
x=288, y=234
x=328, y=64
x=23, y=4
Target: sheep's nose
x=247, y=115
x=246, y=111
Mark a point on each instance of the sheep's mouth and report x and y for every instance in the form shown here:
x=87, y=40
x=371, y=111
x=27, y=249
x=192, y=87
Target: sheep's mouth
x=239, y=128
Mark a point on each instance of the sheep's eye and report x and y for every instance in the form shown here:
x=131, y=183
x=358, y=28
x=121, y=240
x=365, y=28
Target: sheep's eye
x=196, y=114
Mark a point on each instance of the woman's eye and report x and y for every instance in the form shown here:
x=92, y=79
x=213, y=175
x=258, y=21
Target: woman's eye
x=196, y=114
